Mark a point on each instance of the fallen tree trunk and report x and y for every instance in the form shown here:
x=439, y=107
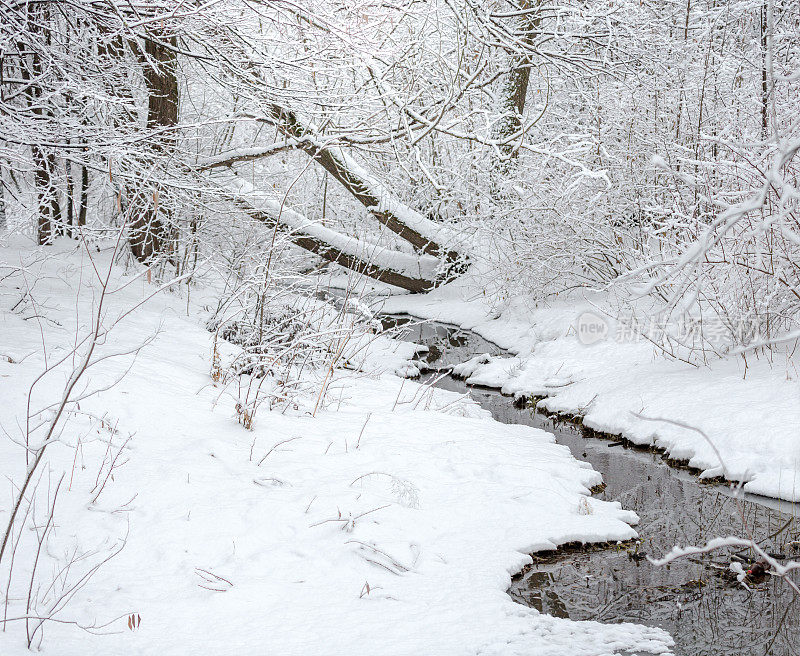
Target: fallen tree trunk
x=415, y=273
x=319, y=247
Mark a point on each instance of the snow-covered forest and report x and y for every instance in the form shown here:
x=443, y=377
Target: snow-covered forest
x=415, y=327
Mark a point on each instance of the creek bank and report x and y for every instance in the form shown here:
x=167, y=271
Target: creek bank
x=694, y=600
x=534, y=402
x=622, y=384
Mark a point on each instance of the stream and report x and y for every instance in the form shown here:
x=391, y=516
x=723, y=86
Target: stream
x=696, y=600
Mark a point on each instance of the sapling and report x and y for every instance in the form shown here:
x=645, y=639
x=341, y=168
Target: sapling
x=48, y=421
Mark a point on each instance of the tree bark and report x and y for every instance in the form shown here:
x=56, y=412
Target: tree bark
x=763, y=35
x=389, y=276
x=351, y=254
x=44, y=160
x=360, y=188
x=516, y=84
x=83, y=202
x=2, y=200
x=148, y=229
x=69, y=223
x=49, y=210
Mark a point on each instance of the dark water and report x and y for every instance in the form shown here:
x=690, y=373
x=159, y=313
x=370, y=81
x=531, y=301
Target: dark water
x=705, y=610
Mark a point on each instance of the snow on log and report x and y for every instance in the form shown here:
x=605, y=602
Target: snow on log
x=415, y=273
x=244, y=155
x=392, y=267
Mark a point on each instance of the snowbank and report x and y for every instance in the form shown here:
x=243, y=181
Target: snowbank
x=751, y=416
x=389, y=523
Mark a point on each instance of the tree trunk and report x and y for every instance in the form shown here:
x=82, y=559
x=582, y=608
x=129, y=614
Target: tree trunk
x=148, y=231
x=83, y=202
x=364, y=267
x=49, y=211
x=44, y=160
x=764, y=73
x=69, y=223
x=370, y=193
x=516, y=85
x=408, y=224
x=3, y=220
x=413, y=273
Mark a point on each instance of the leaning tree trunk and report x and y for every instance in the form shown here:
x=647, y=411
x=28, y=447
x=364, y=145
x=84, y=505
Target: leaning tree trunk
x=419, y=231
x=425, y=234
x=148, y=229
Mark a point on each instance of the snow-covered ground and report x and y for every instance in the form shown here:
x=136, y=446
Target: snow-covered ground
x=389, y=522
x=751, y=415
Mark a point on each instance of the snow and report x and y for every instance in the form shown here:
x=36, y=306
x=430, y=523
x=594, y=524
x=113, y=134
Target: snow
x=389, y=521
x=408, y=216
x=388, y=201
x=751, y=416
x=244, y=154
x=419, y=266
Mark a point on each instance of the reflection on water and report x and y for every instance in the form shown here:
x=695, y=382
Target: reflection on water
x=447, y=345
x=696, y=600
